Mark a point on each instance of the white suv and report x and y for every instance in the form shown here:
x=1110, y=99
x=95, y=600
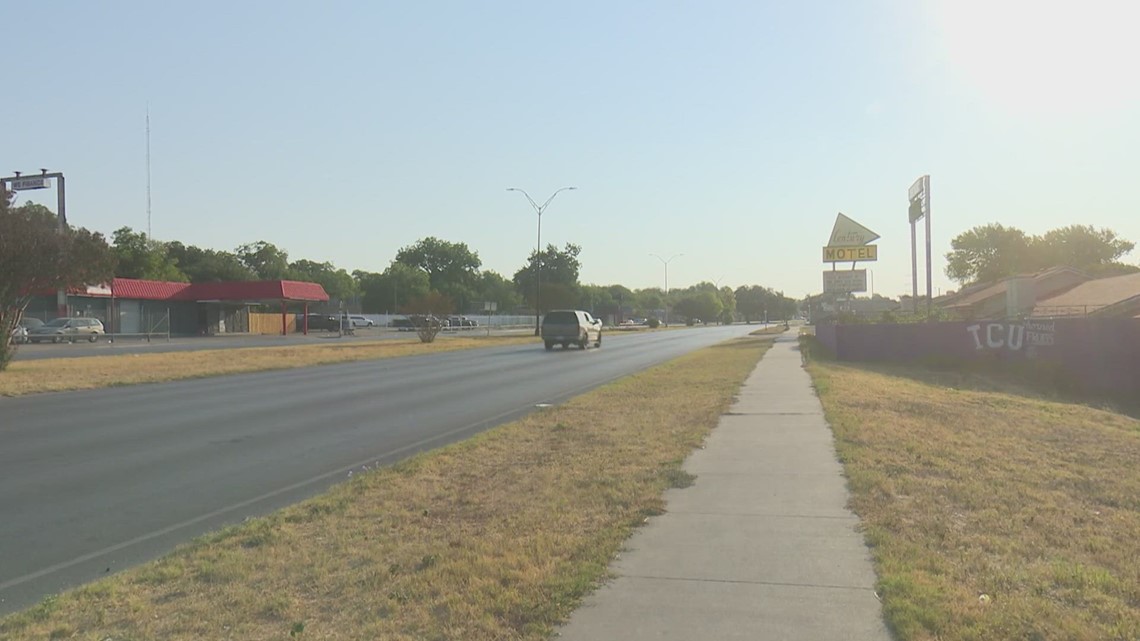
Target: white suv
x=566, y=326
x=359, y=321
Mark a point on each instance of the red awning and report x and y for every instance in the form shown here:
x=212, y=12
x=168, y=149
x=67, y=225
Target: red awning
x=222, y=291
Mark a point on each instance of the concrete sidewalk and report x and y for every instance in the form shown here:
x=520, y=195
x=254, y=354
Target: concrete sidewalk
x=762, y=546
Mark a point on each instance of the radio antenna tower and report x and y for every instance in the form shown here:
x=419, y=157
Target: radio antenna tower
x=148, y=231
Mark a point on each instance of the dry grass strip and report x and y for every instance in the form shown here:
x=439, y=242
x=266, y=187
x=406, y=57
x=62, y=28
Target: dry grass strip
x=498, y=537
x=92, y=372
x=992, y=513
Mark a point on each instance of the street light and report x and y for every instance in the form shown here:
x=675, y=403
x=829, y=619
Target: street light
x=538, y=247
x=665, y=262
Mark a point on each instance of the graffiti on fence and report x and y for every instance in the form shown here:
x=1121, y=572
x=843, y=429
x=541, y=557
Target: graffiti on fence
x=1013, y=336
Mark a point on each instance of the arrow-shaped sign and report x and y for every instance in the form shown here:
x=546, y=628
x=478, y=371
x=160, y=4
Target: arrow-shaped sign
x=848, y=233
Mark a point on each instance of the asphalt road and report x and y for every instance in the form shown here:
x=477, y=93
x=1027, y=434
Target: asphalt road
x=94, y=482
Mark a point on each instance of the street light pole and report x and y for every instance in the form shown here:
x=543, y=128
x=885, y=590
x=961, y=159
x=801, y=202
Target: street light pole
x=538, y=248
x=665, y=261
x=19, y=183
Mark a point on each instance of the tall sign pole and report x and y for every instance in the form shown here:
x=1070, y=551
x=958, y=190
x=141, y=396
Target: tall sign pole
x=913, y=268
x=43, y=181
x=926, y=197
x=919, y=198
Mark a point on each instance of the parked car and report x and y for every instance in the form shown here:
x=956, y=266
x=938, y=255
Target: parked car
x=67, y=329
x=566, y=326
x=414, y=321
x=323, y=322
x=461, y=322
x=402, y=324
x=360, y=321
x=20, y=334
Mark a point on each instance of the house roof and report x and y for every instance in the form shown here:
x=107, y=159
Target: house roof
x=1091, y=296
x=259, y=290
x=236, y=290
x=147, y=289
x=975, y=294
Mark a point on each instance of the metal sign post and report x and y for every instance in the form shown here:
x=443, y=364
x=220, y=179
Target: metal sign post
x=43, y=181
x=919, y=197
x=489, y=306
x=929, y=289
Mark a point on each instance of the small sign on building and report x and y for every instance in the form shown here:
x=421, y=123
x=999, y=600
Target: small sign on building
x=845, y=282
x=23, y=184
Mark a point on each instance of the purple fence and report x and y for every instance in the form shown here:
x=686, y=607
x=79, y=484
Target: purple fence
x=1101, y=354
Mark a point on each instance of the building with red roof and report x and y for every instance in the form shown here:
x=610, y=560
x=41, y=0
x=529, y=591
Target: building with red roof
x=131, y=306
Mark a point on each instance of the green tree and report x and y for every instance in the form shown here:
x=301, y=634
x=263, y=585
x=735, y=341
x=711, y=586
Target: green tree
x=728, y=305
x=623, y=299
x=704, y=305
x=493, y=287
x=37, y=258
x=265, y=260
x=992, y=252
x=648, y=301
x=430, y=303
x=988, y=253
x=558, y=296
x=338, y=283
x=1080, y=246
x=598, y=300
x=143, y=258
x=208, y=265
x=785, y=308
x=559, y=277
x=752, y=301
x=452, y=268
x=392, y=290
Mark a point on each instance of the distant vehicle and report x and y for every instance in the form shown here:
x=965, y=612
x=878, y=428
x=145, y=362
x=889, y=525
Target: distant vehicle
x=415, y=321
x=423, y=320
x=322, y=322
x=67, y=329
x=402, y=324
x=360, y=321
x=460, y=322
x=566, y=326
x=20, y=334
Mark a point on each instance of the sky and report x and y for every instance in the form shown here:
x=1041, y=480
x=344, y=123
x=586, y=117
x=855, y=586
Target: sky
x=723, y=135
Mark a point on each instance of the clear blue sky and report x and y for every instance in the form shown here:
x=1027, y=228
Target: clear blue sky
x=731, y=132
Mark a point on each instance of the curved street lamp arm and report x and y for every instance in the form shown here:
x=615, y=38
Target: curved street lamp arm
x=664, y=260
x=528, y=198
x=555, y=194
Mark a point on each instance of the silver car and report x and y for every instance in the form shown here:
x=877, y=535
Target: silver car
x=20, y=334
x=67, y=329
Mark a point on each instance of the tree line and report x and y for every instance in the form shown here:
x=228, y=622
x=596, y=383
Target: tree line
x=429, y=275
x=994, y=251
x=443, y=276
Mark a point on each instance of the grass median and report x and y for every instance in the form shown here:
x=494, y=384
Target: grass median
x=93, y=372
x=497, y=537
x=992, y=512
